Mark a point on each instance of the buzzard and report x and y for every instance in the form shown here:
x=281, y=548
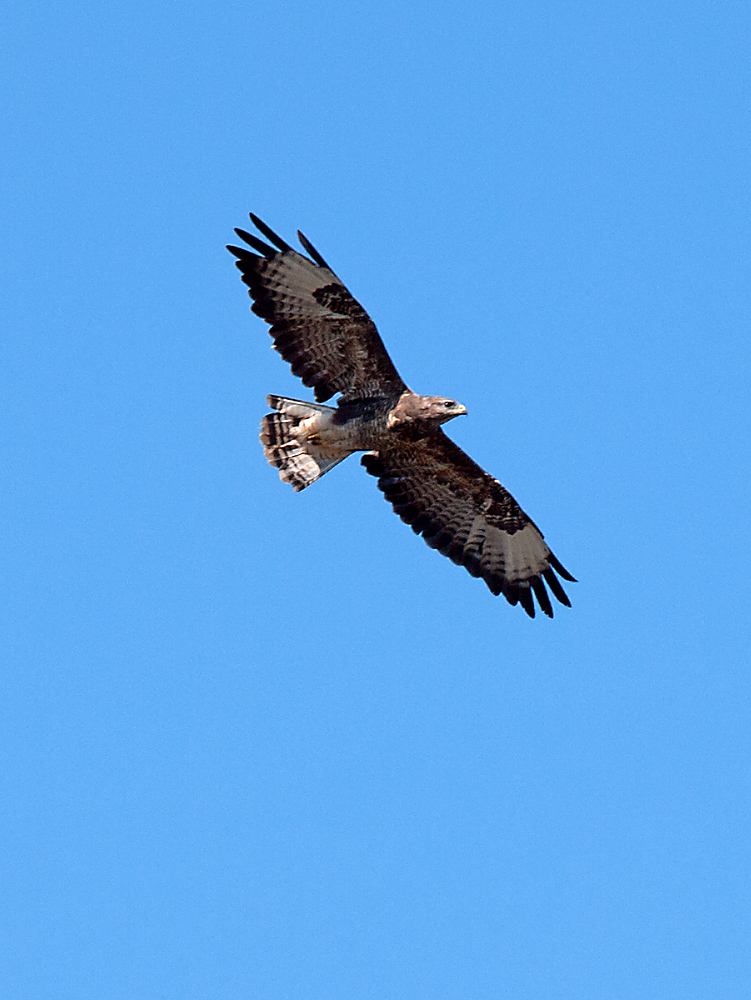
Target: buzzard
x=333, y=346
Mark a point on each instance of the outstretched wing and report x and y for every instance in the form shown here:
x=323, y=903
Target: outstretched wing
x=317, y=326
x=468, y=516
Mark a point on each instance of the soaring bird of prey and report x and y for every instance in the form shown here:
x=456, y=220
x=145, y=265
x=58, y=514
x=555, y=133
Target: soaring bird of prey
x=333, y=346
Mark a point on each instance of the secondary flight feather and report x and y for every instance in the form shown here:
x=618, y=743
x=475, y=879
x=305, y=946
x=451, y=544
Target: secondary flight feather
x=334, y=347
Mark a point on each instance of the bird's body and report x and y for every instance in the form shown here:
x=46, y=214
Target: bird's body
x=333, y=346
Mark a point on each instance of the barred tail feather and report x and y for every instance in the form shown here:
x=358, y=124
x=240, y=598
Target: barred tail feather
x=291, y=442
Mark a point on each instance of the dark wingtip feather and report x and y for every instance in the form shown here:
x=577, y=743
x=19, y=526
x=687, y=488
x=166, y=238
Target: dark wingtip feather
x=308, y=246
x=559, y=569
x=555, y=585
x=242, y=254
x=263, y=248
x=269, y=233
x=542, y=596
x=525, y=599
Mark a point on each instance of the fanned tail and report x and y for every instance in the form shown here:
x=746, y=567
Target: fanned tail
x=291, y=442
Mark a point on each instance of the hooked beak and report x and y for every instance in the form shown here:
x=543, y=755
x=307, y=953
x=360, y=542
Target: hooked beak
x=458, y=410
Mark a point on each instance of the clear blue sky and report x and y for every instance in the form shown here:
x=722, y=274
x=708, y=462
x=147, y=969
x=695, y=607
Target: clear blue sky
x=270, y=746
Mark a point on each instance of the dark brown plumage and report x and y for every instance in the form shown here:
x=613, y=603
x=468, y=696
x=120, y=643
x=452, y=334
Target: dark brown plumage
x=334, y=347
x=318, y=327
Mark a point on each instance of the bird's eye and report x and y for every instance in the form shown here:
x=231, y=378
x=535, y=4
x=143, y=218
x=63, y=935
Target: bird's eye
x=449, y=404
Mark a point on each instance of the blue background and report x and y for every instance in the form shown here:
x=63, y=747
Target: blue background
x=266, y=745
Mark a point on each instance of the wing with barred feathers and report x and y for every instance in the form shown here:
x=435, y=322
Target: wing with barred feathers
x=318, y=327
x=468, y=516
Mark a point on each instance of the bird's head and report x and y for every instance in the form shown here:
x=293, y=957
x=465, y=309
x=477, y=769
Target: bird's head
x=413, y=411
x=438, y=410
